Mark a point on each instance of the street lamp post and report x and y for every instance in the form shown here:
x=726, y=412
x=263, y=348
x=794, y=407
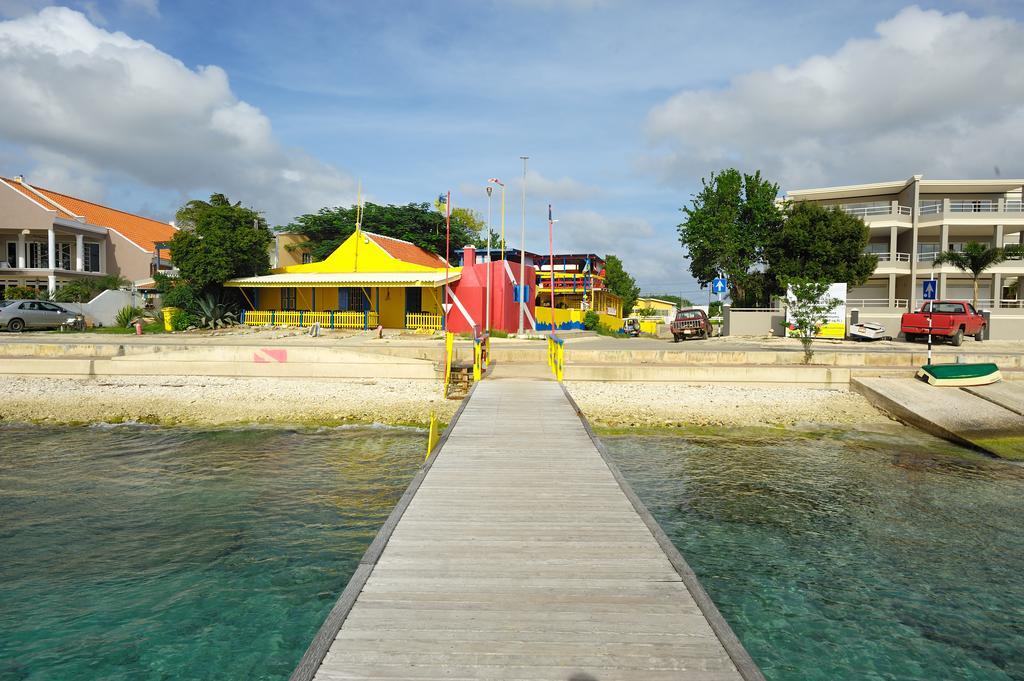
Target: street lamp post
x=487, y=314
x=522, y=254
x=502, y=185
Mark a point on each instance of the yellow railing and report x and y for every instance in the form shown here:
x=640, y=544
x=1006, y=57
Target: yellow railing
x=422, y=320
x=556, y=356
x=326, y=320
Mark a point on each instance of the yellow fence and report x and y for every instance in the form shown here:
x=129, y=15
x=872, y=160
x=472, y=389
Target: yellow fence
x=327, y=320
x=423, y=320
x=556, y=356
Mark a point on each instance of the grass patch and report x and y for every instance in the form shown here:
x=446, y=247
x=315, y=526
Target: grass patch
x=155, y=327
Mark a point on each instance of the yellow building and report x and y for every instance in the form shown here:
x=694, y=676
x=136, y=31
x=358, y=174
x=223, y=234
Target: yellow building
x=369, y=280
x=576, y=283
x=662, y=308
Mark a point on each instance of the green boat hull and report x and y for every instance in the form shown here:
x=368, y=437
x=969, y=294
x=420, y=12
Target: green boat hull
x=960, y=375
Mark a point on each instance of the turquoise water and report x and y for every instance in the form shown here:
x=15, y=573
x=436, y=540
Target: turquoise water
x=149, y=553
x=847, y=556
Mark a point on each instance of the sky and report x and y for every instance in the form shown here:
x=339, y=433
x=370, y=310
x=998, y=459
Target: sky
x=621, y=106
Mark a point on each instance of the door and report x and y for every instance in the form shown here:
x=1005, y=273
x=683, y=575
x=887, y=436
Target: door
x=31, y=314
x=51, y=315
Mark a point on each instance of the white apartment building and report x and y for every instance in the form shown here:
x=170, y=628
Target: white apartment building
x=912, y=220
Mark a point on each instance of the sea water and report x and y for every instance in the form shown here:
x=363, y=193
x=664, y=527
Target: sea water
x=155, y=553
x=846, y=555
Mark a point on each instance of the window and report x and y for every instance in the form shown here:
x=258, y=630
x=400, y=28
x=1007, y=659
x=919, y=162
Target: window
x=288, y=298
x=945, y=308
x=414, y=300
x=91, y=257
x=307, y=258
x=351, y=299
x=38, y=254
x=63, y=260
x=12, y=253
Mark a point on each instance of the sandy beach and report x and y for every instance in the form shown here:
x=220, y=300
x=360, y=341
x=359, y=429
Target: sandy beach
x=196, y=400
x=623, y=405
x=223, y=401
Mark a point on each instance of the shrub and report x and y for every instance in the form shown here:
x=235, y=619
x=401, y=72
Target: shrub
x=184, y=320
x=20, y=292
x=128, y=315
x=591, y=320
x=214, y=314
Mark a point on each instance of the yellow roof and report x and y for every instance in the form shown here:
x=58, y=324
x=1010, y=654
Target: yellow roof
x=332, y=279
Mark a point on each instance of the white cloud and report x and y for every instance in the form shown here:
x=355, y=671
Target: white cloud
x=940, y=94
x=547, y=189
x=90, y=103
x=653, y=258
x=150, y=7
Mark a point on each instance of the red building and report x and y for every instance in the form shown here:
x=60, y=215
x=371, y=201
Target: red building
x=469, y=295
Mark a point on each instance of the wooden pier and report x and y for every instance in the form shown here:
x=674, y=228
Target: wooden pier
x=518, y=552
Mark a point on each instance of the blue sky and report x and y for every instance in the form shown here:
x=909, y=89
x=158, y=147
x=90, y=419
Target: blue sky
x=621, y=106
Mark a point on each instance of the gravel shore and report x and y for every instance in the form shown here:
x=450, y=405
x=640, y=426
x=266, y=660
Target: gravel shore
x=624, y=405
x=197, y=400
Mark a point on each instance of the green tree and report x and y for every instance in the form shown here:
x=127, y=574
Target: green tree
x=976, y=258
x=218, y=240
x=809, y=305
x=328, y=228
x=620, y=283
x=725, y=232
x=84, y=290
x=819, y=243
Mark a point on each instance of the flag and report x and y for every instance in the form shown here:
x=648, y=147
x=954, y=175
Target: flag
x=586, y=267
x=549, y=212
x=442, y=199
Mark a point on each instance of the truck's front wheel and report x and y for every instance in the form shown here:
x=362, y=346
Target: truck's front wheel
x=980, y=336
x=911, y=337
x=957, y=339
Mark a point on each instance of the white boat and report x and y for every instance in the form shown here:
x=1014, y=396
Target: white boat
x=866, y=331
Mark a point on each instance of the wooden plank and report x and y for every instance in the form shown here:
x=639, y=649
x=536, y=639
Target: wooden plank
x=524, y=561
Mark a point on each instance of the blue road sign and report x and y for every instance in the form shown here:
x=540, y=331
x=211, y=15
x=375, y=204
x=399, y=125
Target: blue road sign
x=719, y=285
x=930, y=288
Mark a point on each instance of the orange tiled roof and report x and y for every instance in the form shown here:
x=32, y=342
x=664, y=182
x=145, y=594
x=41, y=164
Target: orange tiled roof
x=49, y=205
x=406, y=251
x=144, y=232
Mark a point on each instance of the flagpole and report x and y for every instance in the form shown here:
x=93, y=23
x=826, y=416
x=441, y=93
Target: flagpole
x=522, y=255
x=551, y=248
x=447, y=256
x=487, y=323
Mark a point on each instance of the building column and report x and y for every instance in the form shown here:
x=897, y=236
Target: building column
x=51, y=258
x=944, y=237
x=21, y=249
x=892, y=290
x=999, y=237
x=893, y=239
x=942, y=284
x=79, y=255
x=103, y=257
x=997, y=290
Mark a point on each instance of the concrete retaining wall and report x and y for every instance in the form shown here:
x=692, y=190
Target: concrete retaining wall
x=753, y=322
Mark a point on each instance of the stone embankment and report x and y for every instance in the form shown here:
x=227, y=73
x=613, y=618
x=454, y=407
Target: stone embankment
x=195, y=400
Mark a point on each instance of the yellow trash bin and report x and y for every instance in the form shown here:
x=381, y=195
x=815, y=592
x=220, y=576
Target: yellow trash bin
x=169, y=314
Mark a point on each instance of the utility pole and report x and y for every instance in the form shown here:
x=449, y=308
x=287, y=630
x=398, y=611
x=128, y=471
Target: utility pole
x=522, y=255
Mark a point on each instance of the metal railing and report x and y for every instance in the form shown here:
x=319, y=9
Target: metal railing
x=556, y=356
x=875, y=302
x=423, y=320
x=973, y=206
x=890, y=257
x=867, y=211
x=930, y=209
x=326, y=320
x=1013, y=206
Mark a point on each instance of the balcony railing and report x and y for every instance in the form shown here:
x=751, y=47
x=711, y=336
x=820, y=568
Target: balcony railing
x=930, y=209
x=890, y=257
x=972, y=206
x=867, y=211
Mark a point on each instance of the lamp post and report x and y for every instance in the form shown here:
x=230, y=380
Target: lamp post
x=502, y=185
x=487, y=314
x=522, y=254
x=551, y=264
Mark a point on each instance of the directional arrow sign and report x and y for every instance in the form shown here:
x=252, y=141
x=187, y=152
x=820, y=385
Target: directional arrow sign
x=929, y=289
x=446, y=307
x=719, y=285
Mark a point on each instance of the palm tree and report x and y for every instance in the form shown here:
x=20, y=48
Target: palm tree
x=976, y=258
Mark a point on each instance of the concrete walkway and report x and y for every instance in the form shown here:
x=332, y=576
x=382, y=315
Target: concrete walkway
x=520, y=554
x=983, y=417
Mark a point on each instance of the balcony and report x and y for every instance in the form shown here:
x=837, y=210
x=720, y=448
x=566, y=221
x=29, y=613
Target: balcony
x=870, y=211
x=890, y=257
x=934, y=208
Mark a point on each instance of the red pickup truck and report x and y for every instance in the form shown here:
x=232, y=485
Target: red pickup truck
x=692, y=323
x=952, y=319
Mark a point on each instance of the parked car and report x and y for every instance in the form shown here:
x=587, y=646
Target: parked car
x=18, y=315
x=950, y=319
x=691, y=323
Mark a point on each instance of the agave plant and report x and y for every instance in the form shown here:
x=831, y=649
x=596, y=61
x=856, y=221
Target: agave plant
x=128, y=315
x=214, y=314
